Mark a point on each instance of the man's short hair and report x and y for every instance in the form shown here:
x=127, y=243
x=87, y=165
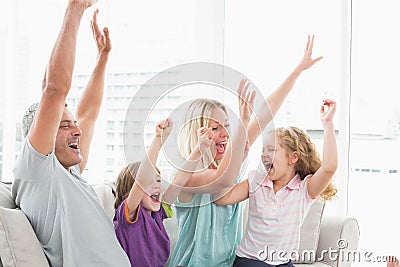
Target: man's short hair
x=28, y=118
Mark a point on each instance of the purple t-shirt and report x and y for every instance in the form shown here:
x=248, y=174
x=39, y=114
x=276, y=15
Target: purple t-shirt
x=145, y=239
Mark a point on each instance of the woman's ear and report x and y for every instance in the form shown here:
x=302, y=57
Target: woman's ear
x=294, y=157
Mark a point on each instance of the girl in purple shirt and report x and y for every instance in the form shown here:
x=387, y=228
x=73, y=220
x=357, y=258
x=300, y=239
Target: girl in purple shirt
x=141, y=206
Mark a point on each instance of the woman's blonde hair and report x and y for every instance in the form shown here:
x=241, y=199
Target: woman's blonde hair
x=198, y=115
x=124, y=183
x=295, y=140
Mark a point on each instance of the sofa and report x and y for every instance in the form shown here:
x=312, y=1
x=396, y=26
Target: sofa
x=319, y=233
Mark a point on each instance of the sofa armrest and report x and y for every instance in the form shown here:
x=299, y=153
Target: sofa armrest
x=106, y=193
x=338, y=238
x=171, y=226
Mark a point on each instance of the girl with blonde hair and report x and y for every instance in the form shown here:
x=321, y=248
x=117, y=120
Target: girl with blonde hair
x=280, y=197
x=209, y=234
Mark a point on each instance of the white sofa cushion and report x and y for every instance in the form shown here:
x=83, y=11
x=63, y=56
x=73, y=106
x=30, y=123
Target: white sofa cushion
x=333, y=230
x=5, y=197
x=18, y=243
x=309, y=233
x=106, y=192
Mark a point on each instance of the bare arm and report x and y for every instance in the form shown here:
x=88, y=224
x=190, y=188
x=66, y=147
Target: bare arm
x=147, y=172
x=322, y=177
x=237, y=194
x=275, y=100
x=58, y=81
x=213, y=180
x=184, y=173
x=90, y=102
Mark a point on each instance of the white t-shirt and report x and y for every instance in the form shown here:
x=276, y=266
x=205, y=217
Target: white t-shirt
x=65, y=212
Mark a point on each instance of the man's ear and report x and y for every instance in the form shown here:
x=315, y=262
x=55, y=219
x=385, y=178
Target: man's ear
x=294, y=157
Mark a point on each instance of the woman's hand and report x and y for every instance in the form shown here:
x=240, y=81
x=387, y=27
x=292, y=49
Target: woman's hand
x=246, y=101
x=204, y=139
x=307, y=62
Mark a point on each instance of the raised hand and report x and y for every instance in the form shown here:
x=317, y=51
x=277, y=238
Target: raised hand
x=204, y=139
x=102, y=39
x=164, y=128
x=328, y=110
x=246, y=101
x=306, y=62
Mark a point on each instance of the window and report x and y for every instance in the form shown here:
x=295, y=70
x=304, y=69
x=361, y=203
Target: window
x=110, y=136
x=374, y=177
x=110, y=125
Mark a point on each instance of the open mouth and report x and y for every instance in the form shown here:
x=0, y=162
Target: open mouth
x=155, y=197
x=268, y=166
x=220, y=147
x=74, y=146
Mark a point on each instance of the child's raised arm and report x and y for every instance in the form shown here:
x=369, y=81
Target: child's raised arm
x=274, y=101
x=185, y=171
x=147, y=172
x=322, y=177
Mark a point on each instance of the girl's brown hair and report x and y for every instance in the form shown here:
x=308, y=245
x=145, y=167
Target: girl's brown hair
x=124, y=183
x=295, y=140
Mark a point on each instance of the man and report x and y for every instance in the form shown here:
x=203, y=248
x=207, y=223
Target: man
x=62, y=207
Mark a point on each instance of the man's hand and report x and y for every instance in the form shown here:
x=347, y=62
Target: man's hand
x=102, y=39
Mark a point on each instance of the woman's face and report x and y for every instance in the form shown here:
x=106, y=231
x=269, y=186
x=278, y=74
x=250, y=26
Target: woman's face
x=219, y=125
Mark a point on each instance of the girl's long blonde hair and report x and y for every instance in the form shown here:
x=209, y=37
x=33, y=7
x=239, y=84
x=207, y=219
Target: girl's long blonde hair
x=295, y=140
x=124, y=183
x=198, y=115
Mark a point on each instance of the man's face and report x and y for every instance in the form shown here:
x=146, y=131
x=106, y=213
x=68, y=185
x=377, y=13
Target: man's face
x=67, y=141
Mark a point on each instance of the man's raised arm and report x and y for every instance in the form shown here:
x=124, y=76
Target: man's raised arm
x=90, y=102
x=58, y=81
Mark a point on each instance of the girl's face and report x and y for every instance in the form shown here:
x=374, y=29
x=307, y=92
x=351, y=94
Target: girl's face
x=151, y=201
x=275, y=158
x=219, y=125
